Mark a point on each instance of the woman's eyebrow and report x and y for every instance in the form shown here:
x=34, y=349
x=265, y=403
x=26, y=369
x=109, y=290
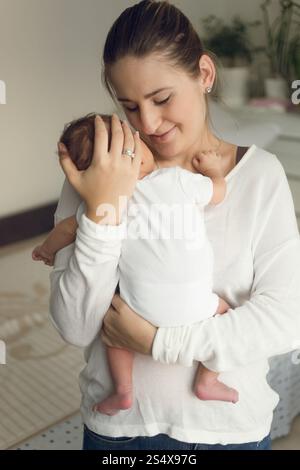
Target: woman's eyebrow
x=149, y=95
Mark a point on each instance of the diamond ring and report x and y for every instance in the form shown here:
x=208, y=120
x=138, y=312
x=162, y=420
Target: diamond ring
x=129, y=153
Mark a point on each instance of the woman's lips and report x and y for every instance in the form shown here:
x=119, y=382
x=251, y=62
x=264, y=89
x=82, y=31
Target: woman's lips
x=164, y=137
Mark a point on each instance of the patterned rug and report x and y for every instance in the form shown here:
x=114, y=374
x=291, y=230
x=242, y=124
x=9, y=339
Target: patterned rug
x=39, y=382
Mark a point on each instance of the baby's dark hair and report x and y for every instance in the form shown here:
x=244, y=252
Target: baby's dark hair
x=78, y=137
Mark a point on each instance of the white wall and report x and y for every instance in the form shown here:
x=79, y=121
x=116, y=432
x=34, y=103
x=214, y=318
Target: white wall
x=50, y=62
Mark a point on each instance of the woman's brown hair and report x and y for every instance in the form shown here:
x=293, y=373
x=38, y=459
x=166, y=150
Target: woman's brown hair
x=152, y=27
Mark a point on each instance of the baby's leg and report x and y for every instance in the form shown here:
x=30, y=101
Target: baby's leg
x=120, y=363
x=207, y=386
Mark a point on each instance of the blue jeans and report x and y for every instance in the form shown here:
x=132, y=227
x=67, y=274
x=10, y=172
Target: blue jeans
x=93, y=441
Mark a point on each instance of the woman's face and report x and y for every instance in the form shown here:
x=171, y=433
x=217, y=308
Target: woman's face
x=163, y=103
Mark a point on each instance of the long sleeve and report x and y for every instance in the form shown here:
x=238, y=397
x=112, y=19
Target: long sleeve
x=85, y=275
x=268, y=323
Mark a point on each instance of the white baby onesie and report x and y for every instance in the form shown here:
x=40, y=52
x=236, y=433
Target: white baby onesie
x=166, y=262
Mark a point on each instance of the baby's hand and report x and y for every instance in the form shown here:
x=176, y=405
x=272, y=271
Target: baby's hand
x=208, y=163
x=40, y=254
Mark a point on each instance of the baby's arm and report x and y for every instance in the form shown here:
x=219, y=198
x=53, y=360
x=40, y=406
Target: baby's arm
x=219, y=189
x=63, y=234
x=209, y=164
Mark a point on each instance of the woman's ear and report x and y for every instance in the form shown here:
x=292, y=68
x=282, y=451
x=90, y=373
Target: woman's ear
x=207, y=73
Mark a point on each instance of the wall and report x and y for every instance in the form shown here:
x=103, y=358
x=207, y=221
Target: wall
x=50, y=62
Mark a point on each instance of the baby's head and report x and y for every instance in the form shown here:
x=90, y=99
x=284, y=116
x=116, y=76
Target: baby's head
x=78, y=137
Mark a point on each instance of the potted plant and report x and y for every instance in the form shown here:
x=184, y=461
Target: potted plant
x=232, y=45
x=282, y=47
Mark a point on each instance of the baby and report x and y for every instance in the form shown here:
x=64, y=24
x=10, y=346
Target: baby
x=164, y=279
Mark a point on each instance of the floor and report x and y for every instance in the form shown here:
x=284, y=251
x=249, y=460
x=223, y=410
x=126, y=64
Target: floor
x=66, y=435
x=39, y=381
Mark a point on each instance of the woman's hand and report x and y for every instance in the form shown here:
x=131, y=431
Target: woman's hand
x=110, y=174
x=123, y=328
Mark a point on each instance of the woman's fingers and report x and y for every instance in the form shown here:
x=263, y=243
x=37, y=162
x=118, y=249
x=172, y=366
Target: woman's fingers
x=66, y=163
x=117, y=137
x=104, y=334
x=133, y=143
x=62, y=150
x=128, y=139
x=117, y=302
x=138, y=151
x=101, y=139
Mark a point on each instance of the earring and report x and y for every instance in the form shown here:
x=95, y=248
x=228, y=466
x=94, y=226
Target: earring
x=208, y=90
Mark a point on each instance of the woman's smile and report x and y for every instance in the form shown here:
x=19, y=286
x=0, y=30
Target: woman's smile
x=166, y=137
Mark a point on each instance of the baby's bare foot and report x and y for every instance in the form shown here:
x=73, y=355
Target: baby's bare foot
x=114, y=403
x=216, y=391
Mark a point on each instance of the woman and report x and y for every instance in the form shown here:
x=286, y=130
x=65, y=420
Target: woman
x=161, y=76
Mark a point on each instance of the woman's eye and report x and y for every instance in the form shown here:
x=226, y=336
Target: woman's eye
x=163, y=101
x=157, y=103
x=130, y=109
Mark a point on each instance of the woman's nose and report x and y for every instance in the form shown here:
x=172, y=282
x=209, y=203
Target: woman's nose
x=150, y=120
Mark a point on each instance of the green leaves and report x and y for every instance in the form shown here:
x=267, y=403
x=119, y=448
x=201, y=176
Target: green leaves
x=229, y=41
x=283, y=39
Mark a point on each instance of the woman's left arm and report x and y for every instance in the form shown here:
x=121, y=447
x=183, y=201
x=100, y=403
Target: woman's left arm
x=266, y=325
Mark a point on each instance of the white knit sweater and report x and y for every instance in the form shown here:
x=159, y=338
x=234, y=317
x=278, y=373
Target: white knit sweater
x=256, y=246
